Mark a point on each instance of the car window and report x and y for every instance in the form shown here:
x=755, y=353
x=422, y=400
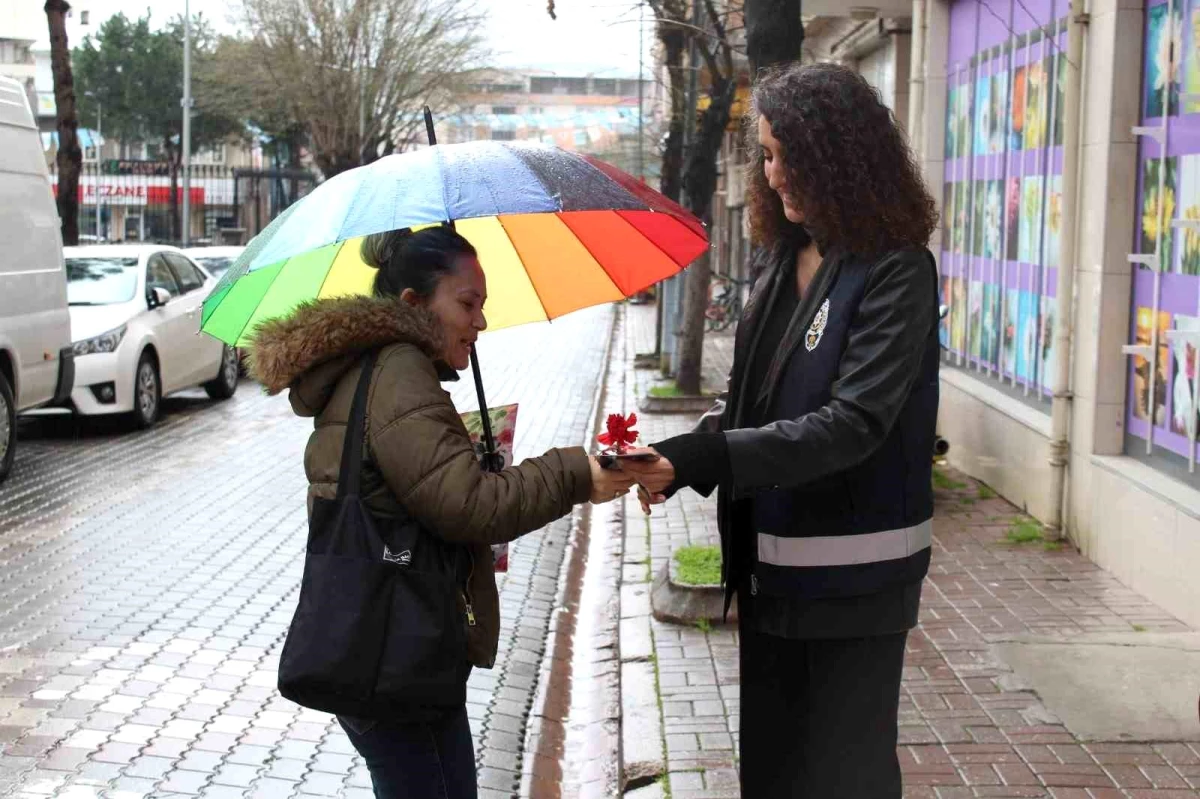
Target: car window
x=100, y=280
x=158, y=276
x=216, y=265
x=189, y=279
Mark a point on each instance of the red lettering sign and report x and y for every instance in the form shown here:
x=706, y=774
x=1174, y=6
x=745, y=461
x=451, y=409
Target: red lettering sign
x=133, y=194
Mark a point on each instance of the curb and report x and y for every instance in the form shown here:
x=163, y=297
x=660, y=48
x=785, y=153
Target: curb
x=643, y=737
x=546, y=732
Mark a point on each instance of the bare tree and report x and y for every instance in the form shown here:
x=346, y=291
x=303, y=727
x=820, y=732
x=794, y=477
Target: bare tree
x=672, y=31
x=713, y=43
x=70, y=157
x=774, y=33
x=355, y=73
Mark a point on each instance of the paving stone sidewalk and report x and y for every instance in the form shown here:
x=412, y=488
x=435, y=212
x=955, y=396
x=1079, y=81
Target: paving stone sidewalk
x=966, y=729
x=147, y=580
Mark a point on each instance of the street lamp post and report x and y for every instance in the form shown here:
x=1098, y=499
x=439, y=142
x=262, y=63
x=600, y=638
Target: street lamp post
x=187, y=123
x=99, y=142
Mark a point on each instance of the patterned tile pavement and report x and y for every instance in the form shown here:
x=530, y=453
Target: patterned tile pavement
x=147, y=580
x=964, y=730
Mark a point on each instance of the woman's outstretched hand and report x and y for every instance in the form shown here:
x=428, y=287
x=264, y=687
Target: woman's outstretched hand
x=608, y=484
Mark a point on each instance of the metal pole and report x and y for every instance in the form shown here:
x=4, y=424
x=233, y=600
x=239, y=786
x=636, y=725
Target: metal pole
x=187, y=122
x=100, y=137
x=362, y=105
x=641, y=158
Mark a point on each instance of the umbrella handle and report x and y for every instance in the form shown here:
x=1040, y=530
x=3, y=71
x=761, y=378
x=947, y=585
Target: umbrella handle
x=491, y=459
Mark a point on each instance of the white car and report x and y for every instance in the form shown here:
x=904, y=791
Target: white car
x=215, y=260
x=135, y=324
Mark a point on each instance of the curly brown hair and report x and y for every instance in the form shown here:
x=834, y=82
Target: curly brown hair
x=849, y=169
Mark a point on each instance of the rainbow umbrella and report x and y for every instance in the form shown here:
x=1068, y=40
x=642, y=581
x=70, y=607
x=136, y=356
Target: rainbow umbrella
x=555, y=232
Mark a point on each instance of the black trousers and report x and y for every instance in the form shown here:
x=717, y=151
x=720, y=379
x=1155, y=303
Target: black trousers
x=818, y=717
x=418, y=760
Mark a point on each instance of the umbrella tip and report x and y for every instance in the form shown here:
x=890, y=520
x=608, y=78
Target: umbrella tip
x=429, y=126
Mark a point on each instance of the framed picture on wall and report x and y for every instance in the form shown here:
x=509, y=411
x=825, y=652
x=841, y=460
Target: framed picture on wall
x=1156, y=219
x=1160, y=88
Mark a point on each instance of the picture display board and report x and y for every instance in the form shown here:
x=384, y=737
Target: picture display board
x=1002, y=188
x=1165, y=317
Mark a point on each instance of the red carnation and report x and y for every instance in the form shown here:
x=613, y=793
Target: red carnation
x=620, y=432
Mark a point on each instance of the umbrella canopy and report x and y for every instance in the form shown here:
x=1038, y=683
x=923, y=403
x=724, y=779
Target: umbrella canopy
x=555, y=232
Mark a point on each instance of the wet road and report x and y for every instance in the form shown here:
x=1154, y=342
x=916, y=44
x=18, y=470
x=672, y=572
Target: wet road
x=147, y=580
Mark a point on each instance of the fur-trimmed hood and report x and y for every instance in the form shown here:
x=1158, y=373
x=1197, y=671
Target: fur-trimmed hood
x=310, y=349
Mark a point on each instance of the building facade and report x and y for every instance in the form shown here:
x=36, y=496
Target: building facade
x=589, y=113
x=993, y=116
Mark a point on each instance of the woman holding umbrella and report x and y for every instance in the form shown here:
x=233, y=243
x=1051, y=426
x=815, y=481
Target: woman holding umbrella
x=418, y=462
x=821, y=448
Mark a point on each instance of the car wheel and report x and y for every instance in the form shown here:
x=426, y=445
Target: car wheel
x=8, y=427
x=147, y=392
x=225, y=383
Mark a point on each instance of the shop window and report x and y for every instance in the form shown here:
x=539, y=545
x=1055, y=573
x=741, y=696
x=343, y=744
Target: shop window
x=1002, y=191
x=1164, y=335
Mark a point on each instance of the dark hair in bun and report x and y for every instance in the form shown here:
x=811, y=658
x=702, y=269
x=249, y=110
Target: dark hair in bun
x=417, y=261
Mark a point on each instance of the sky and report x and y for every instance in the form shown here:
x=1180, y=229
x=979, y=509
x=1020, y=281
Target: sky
x=597, y=36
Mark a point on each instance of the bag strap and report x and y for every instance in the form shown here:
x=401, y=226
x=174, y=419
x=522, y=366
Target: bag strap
x=350, y=473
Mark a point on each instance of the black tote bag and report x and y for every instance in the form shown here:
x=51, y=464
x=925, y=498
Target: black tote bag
x=377, y=632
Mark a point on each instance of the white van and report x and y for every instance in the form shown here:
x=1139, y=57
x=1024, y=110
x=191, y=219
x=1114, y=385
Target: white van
x=37, y=365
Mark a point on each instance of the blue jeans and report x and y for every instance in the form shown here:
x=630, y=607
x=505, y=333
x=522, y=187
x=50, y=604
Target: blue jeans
x=417, y=760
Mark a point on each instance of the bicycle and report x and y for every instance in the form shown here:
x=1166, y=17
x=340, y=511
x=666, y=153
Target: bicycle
x=724, y=302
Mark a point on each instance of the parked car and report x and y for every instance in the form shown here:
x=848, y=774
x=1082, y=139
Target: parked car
x=36, y=358
x=216, y=260
x=135, y=321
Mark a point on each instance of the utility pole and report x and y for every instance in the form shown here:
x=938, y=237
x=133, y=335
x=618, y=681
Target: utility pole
x=99, y=161
x=187, y=123
x=362, y=97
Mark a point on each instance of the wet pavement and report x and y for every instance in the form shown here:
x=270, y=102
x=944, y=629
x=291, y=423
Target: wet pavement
x=147, y=581
x=971, y=725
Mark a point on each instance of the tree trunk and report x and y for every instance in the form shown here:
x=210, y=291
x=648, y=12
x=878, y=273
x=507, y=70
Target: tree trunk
x=70, y=157
x=671, y=180
x=700, y=181
x=335, y=162
x=774, y=32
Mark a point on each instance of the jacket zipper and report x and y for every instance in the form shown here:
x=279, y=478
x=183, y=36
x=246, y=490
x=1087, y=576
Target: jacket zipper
x=467, y=590
x=753, y=585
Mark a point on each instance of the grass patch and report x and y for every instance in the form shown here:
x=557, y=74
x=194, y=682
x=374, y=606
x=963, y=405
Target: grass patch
x=985, y=492
x=945, y=483
x=968, y=501
x=1025, y=531
x=1053, y=546
x=665, y=391
x=698, y=565
x=671, y=390
x=704, y=626
x=1138, y=628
